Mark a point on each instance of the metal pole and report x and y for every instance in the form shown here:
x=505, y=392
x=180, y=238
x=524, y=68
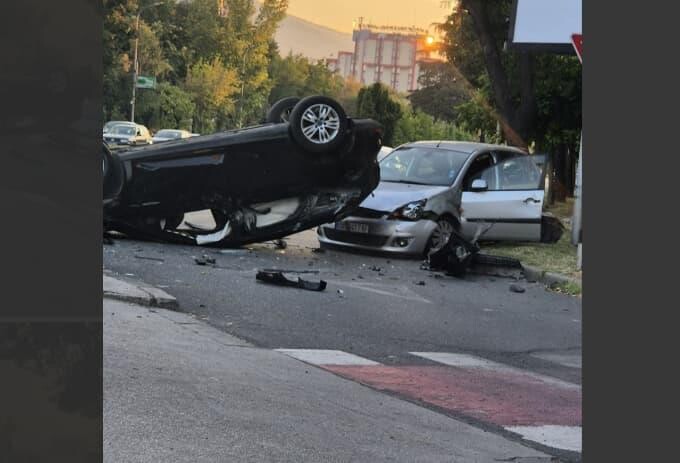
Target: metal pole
x=135, y=70
x=577, y=219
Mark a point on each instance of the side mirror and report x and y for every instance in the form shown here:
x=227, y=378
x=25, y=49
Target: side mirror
x=479, y=185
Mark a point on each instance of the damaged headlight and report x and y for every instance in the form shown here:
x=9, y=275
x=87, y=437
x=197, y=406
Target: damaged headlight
x=410, y=211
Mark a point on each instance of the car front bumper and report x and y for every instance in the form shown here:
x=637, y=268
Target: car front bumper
x=391, y=236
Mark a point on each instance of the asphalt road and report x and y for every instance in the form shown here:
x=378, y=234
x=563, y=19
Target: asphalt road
x=376, y=307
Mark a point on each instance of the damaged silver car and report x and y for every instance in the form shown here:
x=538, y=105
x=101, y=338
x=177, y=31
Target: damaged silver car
x=429, y=189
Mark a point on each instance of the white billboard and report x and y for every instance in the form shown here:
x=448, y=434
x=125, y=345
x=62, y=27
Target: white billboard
x=544, y=23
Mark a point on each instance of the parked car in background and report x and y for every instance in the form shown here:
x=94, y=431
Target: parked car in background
x=109, y=125
x=429, y=189
x=171, y=134
x=128, y=133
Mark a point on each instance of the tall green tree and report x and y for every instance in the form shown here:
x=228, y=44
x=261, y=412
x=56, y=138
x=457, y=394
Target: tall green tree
x=212, y=86
x=441, y=91
x=296, y=75
x=525, y=92
x=377, y=103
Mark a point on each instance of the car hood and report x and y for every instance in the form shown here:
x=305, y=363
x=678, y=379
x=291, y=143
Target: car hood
x=389, y=196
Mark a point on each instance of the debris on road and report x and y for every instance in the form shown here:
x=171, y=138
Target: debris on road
x=458, y=256
x=235, y=252
x=157, y=259
x=278, y=278
x=281, y=270
x=420, y=283
x=318, y=250
x=281, y=244
x=517, y=288
x=205, y=260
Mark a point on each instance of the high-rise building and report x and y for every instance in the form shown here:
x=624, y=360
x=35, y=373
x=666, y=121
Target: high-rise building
x=391, y=55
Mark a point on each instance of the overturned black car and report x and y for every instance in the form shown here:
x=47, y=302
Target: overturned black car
x=308, y=164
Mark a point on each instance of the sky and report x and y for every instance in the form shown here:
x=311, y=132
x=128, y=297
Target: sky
x=339, y=15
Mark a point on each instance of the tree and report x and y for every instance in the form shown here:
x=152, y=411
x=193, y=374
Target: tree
x=525, y=92
x=441, y=91
x=417, y=125
x=166, y=107
x=377, y=103
x=212, y=86
x=296, y=75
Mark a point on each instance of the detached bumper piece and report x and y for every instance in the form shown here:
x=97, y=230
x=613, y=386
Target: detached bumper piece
x=459, y=256
x=275, y=277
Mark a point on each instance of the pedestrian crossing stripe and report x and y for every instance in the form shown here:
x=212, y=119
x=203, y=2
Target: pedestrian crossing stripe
x=321, y=357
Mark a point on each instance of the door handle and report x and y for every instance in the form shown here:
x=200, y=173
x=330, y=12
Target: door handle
x=532, y=200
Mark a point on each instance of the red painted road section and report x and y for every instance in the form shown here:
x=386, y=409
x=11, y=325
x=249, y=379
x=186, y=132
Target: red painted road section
x=502, y=398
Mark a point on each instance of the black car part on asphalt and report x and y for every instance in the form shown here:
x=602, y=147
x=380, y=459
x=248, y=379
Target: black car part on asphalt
x=459, y=255
x=278, y=278
x=320, y=162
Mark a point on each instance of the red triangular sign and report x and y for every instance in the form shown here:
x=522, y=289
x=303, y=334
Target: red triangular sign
x=577, y=41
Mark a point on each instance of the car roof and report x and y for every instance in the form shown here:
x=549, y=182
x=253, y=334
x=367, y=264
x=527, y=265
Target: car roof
x=463, y=146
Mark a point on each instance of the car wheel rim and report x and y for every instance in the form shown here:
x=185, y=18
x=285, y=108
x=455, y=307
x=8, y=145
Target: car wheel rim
x=320, y=124
x=441, y=234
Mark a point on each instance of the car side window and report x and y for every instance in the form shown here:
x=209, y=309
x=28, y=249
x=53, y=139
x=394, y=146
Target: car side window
x=515, y=173
x=480, y=169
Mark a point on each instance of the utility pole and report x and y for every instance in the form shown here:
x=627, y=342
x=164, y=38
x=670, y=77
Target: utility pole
x=135, y=69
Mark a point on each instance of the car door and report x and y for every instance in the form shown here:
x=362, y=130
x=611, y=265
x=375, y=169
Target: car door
x=511, y=206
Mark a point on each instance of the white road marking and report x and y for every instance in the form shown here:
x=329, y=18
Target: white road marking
x=569, y=360
x=326, y=357
x=385, y=290
x=561, y=437
x=471, y=361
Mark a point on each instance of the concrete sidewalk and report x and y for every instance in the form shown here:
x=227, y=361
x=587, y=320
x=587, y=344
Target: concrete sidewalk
x=178, y=390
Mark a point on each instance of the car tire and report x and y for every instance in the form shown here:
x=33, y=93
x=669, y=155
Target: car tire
x=438, y=236
x=319, y=124
x=281, y=110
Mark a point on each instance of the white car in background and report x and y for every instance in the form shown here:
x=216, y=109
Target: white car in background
x=171, y=134
x=127, y=133
x=429, y=189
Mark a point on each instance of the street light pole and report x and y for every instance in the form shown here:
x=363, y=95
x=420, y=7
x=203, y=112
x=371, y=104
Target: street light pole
x=135, y=70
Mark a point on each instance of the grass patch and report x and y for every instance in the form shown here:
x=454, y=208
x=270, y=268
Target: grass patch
x=558, y=257
x=570, y=288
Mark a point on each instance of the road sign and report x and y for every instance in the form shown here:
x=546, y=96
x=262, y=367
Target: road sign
x=577, y=41
x=146, y=82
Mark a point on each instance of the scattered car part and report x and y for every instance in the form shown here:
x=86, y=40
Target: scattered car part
x=517, y=288
x=552, y=228
x=261, y=183
x=278, y=278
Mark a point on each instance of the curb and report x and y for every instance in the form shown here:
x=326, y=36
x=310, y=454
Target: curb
x=140, y=294
x=533, y=274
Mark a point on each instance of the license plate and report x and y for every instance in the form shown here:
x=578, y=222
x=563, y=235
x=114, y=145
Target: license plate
x=358, y=227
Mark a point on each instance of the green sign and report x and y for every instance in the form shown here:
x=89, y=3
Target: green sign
x=146, y=82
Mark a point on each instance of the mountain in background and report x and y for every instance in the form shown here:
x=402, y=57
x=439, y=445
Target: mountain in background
x=311, y=40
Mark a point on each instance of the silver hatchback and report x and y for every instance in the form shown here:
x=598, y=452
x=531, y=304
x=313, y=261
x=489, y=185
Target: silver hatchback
x=429, y=189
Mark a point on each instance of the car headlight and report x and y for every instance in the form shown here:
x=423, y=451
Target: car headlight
x=411, y=211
